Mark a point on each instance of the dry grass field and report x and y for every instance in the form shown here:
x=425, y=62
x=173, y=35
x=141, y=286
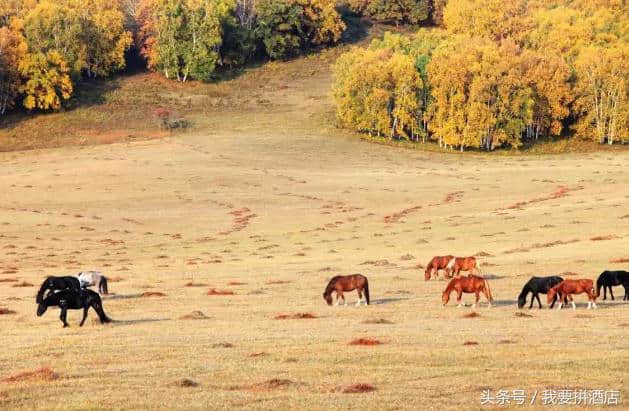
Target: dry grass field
x=219, y=241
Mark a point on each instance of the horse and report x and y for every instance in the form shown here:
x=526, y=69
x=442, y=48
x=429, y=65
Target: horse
x=608, y=279
x=458, y=264
x=70, y=299
x=91, y=278
x=536, y=286
x=566, y=288
x=342, y=283
x=57, y=283
x=470, y=284
x=437, y=263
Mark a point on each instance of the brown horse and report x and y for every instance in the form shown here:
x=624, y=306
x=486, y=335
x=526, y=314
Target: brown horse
x=566, y=288
x=470, y=284
x=342, y=283
x=458, y=264
x=437, y=263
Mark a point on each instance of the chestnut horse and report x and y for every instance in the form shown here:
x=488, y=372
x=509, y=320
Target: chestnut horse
x=458, y=264
x=470, y=284
x=566, y=288
x=342, y=283
x=437, y=263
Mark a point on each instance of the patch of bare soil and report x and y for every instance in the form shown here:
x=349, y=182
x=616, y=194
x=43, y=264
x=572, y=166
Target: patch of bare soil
x=40, y=374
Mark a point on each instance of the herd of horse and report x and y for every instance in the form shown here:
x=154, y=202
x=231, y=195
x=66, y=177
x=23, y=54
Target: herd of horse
x=555, y=287
x=72, y=292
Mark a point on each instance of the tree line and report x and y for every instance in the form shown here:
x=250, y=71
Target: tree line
x=494, y=74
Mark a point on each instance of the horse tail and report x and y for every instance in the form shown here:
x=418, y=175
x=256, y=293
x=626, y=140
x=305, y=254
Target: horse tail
x=40, y=294
x=491, y=299
x=102, y=285
x=366, y=289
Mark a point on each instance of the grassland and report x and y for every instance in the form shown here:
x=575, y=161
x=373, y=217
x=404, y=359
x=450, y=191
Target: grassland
x=266, y=199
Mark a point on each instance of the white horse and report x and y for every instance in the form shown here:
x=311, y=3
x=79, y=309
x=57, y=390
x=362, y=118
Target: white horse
x=91, y=278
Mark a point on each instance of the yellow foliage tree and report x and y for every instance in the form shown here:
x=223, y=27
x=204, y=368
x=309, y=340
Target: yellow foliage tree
x=12, y=49
x=603, y=93
x=46, y=80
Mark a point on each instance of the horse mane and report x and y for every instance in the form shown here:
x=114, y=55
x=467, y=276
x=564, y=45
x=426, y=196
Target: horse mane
x=330, y=287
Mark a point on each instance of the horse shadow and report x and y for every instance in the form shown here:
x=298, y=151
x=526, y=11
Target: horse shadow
x=121, y=296
x=504, y=303
x=137, y=321
x=493, y=277
x=387, y=300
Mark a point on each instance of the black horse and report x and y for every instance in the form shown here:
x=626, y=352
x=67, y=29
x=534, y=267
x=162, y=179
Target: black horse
x=70, y=299
x=608, y=279
x=536, y=286
x=58, y=283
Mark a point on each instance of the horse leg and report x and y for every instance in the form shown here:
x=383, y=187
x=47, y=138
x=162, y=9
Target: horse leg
x=360, y=297
x=604, y=292
x=574, y=306
x=477, y=298
x=63, y=315
x=84, y=315
x=539, y=303
x=459, y=294
x=611, y=292
x=561, y=300
x=486, y=294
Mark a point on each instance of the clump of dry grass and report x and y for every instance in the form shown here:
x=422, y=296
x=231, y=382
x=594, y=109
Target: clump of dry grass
x=184, y=383
x=6, y=311
x=378, y=321
x=355, y=388
x=365, y=341
x=271, y=282
x=604, y=237
x=194, y=315
x=268, y=385
x=152, y=294
x=193, y=284
x=473, y=314
x=470, y=343
x=40, y=374
x=236, y=283
x=620, y=260
x=297, y=316
x=23, y=284
x=214, y=291
x=522, y=314
x=8, y=280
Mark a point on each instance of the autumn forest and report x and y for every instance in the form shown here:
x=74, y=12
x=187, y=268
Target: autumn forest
x=467, y=74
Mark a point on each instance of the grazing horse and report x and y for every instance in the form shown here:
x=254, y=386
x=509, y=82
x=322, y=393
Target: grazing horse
x=566, y=288
x=91, y=278
x=536, y=286
x=437, y=263
x=57, y=283
x=458, y=264
x=70, y=299
x=608, y=279
x=342, y=283
x=470, y=284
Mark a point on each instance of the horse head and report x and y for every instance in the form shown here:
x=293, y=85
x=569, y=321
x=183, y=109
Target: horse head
x=327, y=297
x=427, y=273
x=445, y=297
x=41, y=309
x=522, y=301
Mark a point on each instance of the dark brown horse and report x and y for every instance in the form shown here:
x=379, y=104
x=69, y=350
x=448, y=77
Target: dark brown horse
x=458, y=264
x=342, y=283
x=437, y=263
x=566, y=288
x=470, y=284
